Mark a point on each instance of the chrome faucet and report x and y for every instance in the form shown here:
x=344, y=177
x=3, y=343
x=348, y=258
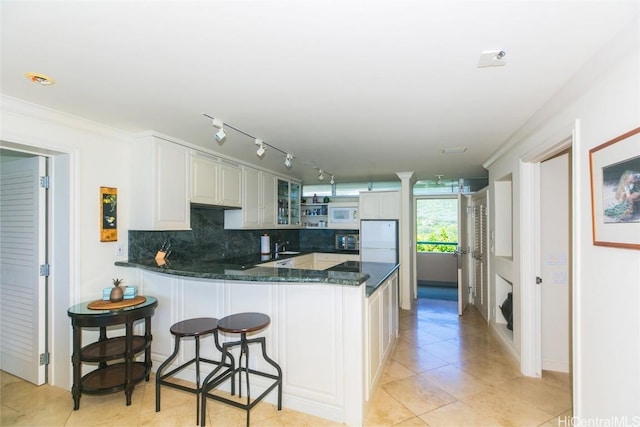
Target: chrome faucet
x=279, y=247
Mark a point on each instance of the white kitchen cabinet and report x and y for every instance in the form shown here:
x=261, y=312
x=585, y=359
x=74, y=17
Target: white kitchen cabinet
x=386, y=337
x=160, y=184
x=230, y=184
x=215, y=181
x=374, y=345
x=379, y=205
x=382, y=328
x=258, y=201
x=267, y=198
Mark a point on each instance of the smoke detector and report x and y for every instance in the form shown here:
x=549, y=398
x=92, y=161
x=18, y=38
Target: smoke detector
x=492, y=58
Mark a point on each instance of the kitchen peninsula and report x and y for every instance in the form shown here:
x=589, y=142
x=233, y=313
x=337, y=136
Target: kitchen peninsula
x=331, y=330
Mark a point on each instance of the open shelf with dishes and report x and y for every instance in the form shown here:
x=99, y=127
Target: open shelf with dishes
x=315, y=215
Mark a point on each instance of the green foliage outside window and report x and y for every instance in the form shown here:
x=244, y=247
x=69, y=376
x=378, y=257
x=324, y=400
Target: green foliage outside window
x=437, y=225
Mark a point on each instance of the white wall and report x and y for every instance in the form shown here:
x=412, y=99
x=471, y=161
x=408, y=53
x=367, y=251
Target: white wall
x=605, y=99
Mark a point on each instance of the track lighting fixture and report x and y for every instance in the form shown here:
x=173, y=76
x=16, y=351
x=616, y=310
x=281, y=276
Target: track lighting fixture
x=261, y=149
x=221, y=134
x=439, y=179
x=333, y=180
x=262, y=145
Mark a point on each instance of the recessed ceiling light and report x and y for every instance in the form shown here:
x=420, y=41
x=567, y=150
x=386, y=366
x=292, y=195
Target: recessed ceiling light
x=454, y=150
x=42, y=79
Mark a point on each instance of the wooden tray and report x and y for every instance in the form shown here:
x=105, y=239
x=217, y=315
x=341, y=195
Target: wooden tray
x=108, y=305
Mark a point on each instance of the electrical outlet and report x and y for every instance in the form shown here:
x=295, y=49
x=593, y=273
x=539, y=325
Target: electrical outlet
x=119, y=250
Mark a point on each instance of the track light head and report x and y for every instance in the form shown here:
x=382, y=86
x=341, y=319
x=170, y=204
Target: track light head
x=333, y=180
x=439, y=179
x=287, y=160
x=221, y=135
x=261, y=149
x=320, y=175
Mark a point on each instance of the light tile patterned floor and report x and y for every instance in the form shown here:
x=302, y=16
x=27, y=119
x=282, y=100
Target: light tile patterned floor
x=445, y=370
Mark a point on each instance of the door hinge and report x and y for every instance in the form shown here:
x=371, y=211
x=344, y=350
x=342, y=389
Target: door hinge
x=45, y=269
x=44, y=182
x=538, y=280
x=44, y=358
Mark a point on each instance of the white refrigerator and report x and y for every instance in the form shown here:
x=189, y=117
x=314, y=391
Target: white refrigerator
x=379, y=241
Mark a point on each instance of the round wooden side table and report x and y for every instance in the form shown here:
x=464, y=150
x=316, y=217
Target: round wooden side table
x=123, y=373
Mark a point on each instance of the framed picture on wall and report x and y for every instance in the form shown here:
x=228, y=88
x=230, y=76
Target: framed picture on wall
x=615, y=191
x=108, y=214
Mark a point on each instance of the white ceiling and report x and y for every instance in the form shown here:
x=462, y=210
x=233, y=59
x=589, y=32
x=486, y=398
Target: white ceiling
x=362, y=89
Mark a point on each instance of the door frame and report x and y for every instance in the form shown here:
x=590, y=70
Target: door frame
x=530, y=306
x=459, y=217
x=62, y=249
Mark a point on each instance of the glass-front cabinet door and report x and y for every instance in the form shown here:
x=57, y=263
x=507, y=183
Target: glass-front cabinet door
x=294, y=203
x=289, y=195
x=283, y=202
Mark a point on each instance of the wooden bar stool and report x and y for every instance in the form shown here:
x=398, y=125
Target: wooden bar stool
x=241, y=323
x=196, y=328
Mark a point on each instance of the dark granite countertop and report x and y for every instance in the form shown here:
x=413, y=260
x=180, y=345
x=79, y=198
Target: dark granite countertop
x=350, y=273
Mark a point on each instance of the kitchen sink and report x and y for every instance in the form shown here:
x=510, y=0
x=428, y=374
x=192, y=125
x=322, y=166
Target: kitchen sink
x=288, y=253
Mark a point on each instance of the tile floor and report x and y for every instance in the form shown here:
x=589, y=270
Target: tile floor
x=445, y=371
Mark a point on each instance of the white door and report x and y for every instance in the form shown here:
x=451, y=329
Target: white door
x=479, y=255
x=462, y=253
x=555, y=231
x=22, y=251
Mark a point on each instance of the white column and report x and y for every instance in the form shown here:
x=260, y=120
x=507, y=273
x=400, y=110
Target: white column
x=407, y=244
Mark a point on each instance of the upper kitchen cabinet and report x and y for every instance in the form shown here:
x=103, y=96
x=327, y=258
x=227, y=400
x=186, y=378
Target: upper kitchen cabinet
x=215, y=181
x=160, y=184
x=288, y=193
x=380, y=205
x=294, y=203
x=259, y=201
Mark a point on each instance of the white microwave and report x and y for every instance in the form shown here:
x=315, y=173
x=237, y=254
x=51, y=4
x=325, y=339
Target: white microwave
x=343, y=215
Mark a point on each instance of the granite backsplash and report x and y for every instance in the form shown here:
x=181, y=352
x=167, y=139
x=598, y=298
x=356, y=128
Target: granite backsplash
x=208, y=240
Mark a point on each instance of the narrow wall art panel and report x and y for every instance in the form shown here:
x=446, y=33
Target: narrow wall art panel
x=108, y=214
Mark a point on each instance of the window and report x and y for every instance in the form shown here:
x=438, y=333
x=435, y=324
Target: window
x=448, y=186
x=348, y=189
x=319, y=190
x=436, y=225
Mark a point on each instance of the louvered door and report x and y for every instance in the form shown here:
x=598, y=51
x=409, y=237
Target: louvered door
x=22, y=252
x=479, y=255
